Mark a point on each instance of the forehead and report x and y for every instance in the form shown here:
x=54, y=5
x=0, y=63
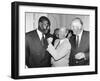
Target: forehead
x=45, y=21
x=76, y=21
x=62, y=30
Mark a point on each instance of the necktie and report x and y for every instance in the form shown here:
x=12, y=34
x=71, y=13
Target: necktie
x=43, y=39
x=77, y=40
x=57, y=44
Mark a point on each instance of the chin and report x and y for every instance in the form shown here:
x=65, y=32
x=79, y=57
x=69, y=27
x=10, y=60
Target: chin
x=45, y=32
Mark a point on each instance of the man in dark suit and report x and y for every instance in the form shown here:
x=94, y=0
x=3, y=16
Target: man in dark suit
x=36, y=44
x=79, y=43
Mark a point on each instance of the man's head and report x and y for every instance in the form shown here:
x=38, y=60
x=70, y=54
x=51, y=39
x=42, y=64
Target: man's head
x=77, y=26
x=56, y=31
x=63, y=32
x=44, y=24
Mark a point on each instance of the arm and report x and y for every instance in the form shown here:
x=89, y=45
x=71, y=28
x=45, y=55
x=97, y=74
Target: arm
x=27, y=52
x=87, y=54
x=60, y=52
x=83, y=54
x=88, y=45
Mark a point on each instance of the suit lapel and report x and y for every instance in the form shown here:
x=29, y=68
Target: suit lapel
x=39, y=41
x=37, y=36
x=82, y=40
x=73, y=42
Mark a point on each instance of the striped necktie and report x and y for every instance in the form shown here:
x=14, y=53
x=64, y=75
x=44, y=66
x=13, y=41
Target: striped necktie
x=43, y=40
x=77, y=40
x=57, y=44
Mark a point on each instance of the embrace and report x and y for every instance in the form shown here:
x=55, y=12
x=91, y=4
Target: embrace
x=66, y=47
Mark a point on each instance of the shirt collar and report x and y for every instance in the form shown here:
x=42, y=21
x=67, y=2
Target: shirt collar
x=80, y=34
x=62, y=40
x=39, y=34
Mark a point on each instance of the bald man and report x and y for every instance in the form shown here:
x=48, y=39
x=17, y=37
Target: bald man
x=80, y=44
x=61, y=50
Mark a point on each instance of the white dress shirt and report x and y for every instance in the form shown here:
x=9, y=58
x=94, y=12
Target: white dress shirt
x=39, y=34
x=80, y=35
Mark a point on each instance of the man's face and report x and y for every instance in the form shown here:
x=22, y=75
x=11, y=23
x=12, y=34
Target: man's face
x=62, y=33
x=44, y=27
x=76, y=26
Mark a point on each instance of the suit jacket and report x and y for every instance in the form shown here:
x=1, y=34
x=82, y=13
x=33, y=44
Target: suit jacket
x=83, y=47
x=36, y=54
x=60, y=55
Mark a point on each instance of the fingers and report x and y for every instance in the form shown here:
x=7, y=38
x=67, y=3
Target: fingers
x=79, y=56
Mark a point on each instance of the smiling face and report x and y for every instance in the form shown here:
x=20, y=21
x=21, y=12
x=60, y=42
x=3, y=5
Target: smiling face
x=62, y=33
x=76, y=26
x=44, y=26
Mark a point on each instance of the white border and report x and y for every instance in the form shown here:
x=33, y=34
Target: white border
x=53, y=70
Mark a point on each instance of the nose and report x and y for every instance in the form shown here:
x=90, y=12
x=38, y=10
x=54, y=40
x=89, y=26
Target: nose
x=45, y=27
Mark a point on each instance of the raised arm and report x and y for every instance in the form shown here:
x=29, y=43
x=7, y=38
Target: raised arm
x=61, y=51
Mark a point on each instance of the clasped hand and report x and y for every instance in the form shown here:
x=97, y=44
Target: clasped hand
x=80, y=55
x=50, y=39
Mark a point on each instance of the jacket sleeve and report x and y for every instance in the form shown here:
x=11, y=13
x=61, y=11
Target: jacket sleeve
x=27, y=52
x=87, y=54
x=60, y=52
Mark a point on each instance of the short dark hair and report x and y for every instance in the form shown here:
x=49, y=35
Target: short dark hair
x=77, y=18
x=57, y=29
x=43, y=18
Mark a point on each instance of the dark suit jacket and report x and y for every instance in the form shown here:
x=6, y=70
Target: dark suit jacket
x=83, y=47
x=36, y=54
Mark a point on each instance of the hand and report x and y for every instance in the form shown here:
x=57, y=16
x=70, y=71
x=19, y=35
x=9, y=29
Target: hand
x=80, y=55
x=50, y=39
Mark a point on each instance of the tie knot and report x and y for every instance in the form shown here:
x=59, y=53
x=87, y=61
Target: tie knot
x=42, y=34
x=77, y=37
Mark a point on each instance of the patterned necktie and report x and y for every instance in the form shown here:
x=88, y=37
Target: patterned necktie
x=43, y=40
x=77, y=40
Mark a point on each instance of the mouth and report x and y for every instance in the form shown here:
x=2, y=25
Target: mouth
x=45, y=31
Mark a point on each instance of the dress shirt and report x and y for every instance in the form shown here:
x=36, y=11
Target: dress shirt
x=80, y=35
x=40, y=34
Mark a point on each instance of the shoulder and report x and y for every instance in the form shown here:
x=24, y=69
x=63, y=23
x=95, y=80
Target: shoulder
x=86, y=33
x=72, y=37
x=67, y=43
x=29, y=34
x=57, y=40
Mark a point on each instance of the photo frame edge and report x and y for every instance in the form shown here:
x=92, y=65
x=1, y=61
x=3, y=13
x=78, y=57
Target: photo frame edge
x=15, y=42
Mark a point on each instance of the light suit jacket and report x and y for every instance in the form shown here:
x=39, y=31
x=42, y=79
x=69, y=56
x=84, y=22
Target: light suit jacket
x=60, y=55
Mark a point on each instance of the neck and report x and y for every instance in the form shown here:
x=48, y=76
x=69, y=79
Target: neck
x=40, y=30
x=62, y=38
x=79, y=33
